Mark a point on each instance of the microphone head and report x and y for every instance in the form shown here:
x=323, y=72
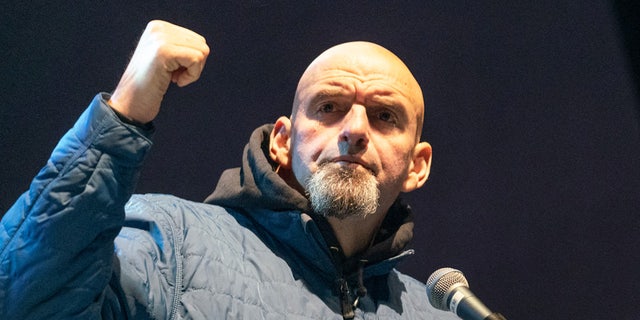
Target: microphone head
x=440, y=283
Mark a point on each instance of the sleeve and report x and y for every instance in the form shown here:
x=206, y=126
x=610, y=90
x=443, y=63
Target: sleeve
x=56, y=241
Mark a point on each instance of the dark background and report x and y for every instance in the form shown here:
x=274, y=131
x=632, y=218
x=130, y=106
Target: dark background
x=532, y=112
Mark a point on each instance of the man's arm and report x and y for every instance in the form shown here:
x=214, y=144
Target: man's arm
x=56, y=242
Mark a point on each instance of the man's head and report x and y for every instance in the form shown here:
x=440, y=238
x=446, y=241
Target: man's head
x=357, y=117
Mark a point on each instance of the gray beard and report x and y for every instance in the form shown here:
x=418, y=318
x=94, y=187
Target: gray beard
x=341, y=192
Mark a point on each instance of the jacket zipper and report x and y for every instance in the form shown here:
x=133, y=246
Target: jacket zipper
x=345, y=299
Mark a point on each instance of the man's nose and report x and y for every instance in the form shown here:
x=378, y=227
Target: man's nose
x=354, y=137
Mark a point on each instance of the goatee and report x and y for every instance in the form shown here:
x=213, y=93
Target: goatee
x=342, y=191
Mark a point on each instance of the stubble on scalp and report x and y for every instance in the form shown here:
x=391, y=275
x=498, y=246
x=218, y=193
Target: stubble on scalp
x=338, y=191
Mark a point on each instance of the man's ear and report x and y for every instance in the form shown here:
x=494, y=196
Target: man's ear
x=280, y=142
x=419, y=167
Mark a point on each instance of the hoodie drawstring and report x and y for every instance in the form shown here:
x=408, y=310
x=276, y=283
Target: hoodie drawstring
x=344, y=291
x=362, y=290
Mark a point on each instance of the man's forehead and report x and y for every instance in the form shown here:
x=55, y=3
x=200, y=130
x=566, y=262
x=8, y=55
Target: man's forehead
x=340, y=87
x=367, y=60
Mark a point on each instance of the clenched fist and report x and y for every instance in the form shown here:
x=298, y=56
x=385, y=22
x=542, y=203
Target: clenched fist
x=166, y=53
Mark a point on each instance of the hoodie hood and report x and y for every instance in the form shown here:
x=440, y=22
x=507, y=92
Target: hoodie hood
x=256, y=185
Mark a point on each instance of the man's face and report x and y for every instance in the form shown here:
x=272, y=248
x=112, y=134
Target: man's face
x=357, y=109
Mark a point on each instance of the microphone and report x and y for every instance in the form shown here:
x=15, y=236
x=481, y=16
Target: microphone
x=448, y=289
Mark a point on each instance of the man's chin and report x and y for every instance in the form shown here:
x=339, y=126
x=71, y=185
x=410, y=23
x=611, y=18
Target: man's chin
x=342, y=190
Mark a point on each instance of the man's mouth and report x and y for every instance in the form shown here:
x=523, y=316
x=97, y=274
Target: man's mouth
x=353, y=163
x=349, y=164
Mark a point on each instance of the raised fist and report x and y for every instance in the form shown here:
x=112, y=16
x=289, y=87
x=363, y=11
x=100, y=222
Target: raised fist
x=165, y=53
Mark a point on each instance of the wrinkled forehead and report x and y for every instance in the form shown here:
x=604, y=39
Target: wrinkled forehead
x=367, y=60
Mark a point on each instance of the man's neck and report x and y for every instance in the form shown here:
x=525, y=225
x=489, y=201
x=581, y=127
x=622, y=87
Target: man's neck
x=355, y=234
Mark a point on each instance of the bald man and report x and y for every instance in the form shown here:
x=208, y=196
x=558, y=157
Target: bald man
x=309, y=227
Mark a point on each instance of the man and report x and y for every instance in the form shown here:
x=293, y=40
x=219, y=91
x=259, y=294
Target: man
x=310, y=227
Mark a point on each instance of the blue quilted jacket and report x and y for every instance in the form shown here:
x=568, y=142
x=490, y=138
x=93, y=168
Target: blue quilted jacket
x=77, y=245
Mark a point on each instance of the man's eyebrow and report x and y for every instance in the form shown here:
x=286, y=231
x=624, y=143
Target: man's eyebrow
x=329, y=92
x=387, y=98
x=393, y=106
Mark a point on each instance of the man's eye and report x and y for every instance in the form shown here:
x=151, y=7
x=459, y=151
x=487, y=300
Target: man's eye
x=327, y=107
x=386, y=116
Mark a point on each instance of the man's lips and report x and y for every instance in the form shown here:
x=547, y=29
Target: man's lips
x=345, y=160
